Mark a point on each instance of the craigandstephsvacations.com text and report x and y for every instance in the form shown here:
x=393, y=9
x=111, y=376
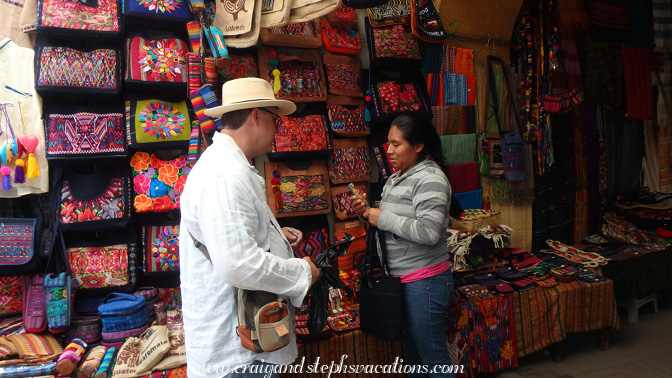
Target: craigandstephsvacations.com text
x=327, y=368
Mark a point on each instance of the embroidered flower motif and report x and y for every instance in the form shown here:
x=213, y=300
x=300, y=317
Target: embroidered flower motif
x=91, y=281
x=158, y=188
x=303, y=192
x=165, y=248
x=140, y=161
x=161, y=60
x=179, y=162
x=163, y=204
x=74, y=210
x=237, y=70
x=168, y=174
x=87, y=215
x=296, y=199
x=179, y=184
x=142, y=203
x=71, y=15
x=161, y=120
x=141, y=183
x=165, y=6
x=110, y=209
x=288, y=187
x=161, y=182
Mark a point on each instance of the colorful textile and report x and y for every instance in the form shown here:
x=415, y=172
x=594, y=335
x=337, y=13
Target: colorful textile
x=307, y=29
x=74, y=15
x=464, y=177
x=238, y=66
x=202, y=99
x=309, y=133
x=111, y=204
x=454, y=89
x=313, y=243
x=342, y=202
x=341, y=39
x=30, y=348
x=17, y=238
x=84, y=133
x=58, y=301
x=11, y=297
x=46, y=370
x=349, y=164
x=66, y=67
x=163, y=60
x=92, y=361
x=162, y=248
x=343, y=76
x=464, y=62
x=544, y=316
x=346, y=120
x=638, y=93
x=394, y=97
x=459, y=148
x=297, y=79
x=302, y=193
x=158, y=121
x=395, y=41
x=662, y=25
x=194, y=77
x=157, y=184
x=98, y=267
x=104, y=367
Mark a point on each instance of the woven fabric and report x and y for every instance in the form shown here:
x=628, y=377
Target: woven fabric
x=105, y=365
x=309, y=133
x=459, y=149
x=544, y=316
x=349, y=164
x=302, y=193
x=74, y=15
x=157, y=121
x=464, y=62
x=464, y=177
x=98, y=267
x=313, y=243
x=31, y=348
x=162, y=248
x=201, y=100
x=163, y=60
x=110, y=204
x=84, y=134
x=662, y=25
x=85, y=328
x=11, y=296
x=384, y=165
x=608, y=18
x=194, y=78
x=298, y=79
x=342, y=203
x=392, y=97
x=435, y=88
x=17, y=238
x=58, y=301
x=34, y=317
x=395, y=41
x=341, y=39
x=66, y=67
x=307, y=29
x=178, y=372
x=343, y=76
x=157, y=183
x=346, y=120
x=440, y=119
x=238, y=66
x=454, y=89
x=638, y=91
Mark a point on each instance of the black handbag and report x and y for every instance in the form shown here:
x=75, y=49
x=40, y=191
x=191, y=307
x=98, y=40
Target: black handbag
x=380, y=294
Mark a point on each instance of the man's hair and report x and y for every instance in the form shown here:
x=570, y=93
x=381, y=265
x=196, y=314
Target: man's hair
x=235, y=119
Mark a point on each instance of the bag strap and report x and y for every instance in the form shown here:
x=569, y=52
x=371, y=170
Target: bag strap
x=383, y=249
x=493, y=91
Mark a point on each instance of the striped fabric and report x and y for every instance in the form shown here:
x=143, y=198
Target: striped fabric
x=194, y=71
x=30, y=348
x=459, y=148
x=201, y=100
x=92, y=362
x=105, y=368
x=464, y=62
x=454, y=89
x=662, y=25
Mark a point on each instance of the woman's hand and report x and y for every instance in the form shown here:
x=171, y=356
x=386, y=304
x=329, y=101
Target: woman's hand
x=294, y=236
x=372, y=215
x=364, y=211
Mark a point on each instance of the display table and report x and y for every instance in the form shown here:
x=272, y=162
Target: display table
x=356, y=348
x=544, y=316
x=639, y=276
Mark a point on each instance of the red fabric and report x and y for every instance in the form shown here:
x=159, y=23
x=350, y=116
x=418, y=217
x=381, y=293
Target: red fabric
x=637, y=71
x=464, y=177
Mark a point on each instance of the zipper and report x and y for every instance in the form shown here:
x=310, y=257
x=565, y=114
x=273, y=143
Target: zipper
x=124, y=313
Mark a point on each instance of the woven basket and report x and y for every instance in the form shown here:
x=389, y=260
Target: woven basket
x=475, y=223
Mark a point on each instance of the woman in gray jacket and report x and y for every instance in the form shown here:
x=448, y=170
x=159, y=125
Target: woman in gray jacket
x=413, y=214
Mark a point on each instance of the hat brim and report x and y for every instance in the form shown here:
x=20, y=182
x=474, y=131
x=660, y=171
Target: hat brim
x=284, y=107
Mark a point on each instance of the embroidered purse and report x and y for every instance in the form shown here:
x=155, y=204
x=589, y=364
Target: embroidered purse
x=346, y=116
x=343, y=15
x=85, y=18
x=341, y=39
x=58, y=300
x=307, y=35
x=152, y=13
x=303, y=135
x=297, y=78
x=389, y=13
x=24, y=242
x=103, y=261
x=392, y=97
x=161, y=248
x=84, y=135
x=94, y=198
x=157, y=183
x=349, y=161
x=34, y=309
x=293, y=192
x=340, y=197
x=238, y=66
x=11, y=297
x=63, y=70
x=393, y=47
x=315, y=231
x=344, y=75
x=156, y=64
x=154, y=123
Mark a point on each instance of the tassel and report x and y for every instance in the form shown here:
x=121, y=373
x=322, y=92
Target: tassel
x=6, y=183
x=276, y=81
x=367, y=112
x=19, y=172
x=32, y=168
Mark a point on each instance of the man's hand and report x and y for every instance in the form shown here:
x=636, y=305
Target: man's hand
x=295, y=236
x=314, y=272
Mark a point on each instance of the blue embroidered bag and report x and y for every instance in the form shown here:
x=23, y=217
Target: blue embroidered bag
x=157, y=13
x=120, y=312
x=58, y=299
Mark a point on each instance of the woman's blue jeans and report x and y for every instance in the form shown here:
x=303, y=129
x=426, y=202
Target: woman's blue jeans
x=425, y=304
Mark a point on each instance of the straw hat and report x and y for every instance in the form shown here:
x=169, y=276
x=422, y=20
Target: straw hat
x=246, y=93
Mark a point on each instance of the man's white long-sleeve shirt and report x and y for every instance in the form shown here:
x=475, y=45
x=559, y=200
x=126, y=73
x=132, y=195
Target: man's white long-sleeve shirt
x=224, y=206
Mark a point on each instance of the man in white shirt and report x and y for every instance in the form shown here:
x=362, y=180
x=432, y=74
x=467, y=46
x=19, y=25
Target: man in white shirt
x=224, y=207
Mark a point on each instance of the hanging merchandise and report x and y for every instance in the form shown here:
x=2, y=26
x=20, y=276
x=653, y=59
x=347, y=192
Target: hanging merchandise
x=343, y=75
x=340, y=197
x=297, y=78
x=393, y=96
x=304, y=10
x=85, y=18
x=392, y=47
x=13, y=150
x=346, y=116
x=425, y=21
x=156, y=62
x=154, y=123
x=390, y=13
x=158, y=183
x=237, y=66
x=349, y=161
x=239, y=22
x=275, y=13
x=302, y=135
x=298, y=192
x=153, y=13
x=161, y=243
x=341, y=39
x=307, y=34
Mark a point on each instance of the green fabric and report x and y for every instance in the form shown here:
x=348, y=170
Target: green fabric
x=157, y=121
x=459, y=148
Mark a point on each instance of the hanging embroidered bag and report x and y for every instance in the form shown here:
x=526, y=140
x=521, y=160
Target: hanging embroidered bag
x=302, y=136
x=343, y=15
x=83, y=18
x=238, y=66
x=95, y=197
x=346, y=116
x=156, y=63
x=341, y=39
x=158, y=183
x=344, y=75
x=393, y=47
x=34, y=309
x=306, y=35
x=84, y=135
x=103, y=261
x=390, y=13
x=24, y=242
x=161, y=247
x=392, y=97
x=153, y=123
x=349, y=161
x=11, y=297
x=298, y=192
x=340, y=197
x=297, y=78
x=153, y=13
x=58, y=299
x=65, y=70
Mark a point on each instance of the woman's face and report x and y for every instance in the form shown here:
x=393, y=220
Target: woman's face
x=402, y=154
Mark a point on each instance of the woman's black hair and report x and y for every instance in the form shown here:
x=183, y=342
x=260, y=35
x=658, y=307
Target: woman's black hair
x=417, y=130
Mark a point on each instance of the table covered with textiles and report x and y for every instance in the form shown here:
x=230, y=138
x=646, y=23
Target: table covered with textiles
x=641, y=273
x=544, y=316
x=351, y=348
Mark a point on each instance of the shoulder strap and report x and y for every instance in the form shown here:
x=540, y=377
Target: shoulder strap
x=200, y=246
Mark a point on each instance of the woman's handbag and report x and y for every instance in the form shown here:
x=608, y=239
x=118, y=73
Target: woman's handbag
x=380, y=296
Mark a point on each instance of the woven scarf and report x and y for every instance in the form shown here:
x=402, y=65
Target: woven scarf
x=464, y=177
x=638, y=95
x=459, y=149
x=662, y=25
